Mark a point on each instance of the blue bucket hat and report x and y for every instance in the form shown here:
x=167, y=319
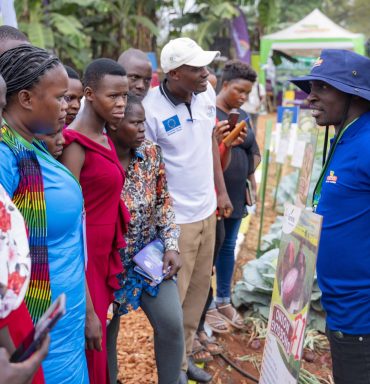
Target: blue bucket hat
x=344, y=70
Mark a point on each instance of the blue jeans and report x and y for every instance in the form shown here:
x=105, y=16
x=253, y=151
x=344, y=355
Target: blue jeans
x=226, y=260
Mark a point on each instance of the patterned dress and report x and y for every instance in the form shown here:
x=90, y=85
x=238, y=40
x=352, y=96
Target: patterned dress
x=150, y=205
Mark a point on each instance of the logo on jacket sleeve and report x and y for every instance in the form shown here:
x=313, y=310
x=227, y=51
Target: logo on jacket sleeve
x=331, y=178
x=172, y=124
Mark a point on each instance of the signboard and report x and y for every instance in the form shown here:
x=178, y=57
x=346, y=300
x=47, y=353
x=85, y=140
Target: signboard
x=305, y=173
x=286, y=132
x=291, y=296
x=305, y=129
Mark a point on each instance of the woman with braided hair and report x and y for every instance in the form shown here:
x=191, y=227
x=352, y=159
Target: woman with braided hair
x=36, y=83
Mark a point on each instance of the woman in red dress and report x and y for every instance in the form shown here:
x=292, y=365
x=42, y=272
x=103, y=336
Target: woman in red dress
x=91, y=157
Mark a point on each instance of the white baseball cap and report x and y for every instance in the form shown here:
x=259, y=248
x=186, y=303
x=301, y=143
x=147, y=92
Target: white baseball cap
x=183, y=51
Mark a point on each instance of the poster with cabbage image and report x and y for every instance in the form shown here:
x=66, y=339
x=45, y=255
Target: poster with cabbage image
x=291, y=296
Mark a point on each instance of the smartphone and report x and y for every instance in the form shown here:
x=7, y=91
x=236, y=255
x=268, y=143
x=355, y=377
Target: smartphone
x=46, y=323
x=234, y=133
x=233, y=118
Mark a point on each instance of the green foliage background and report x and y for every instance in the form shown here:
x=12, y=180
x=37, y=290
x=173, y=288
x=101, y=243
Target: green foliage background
x=80, y=30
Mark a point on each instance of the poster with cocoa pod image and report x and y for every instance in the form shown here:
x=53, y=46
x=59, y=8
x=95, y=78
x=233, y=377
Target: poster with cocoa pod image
x=291, y=296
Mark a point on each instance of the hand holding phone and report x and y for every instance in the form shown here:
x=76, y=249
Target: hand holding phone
x=233, y=118
x=229, y=139
x=46, y=323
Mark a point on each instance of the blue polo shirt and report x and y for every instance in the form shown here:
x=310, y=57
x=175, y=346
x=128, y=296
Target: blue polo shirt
x=343, y=264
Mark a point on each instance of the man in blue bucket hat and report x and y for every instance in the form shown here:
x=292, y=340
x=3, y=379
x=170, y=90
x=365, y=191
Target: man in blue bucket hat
x=338, y=90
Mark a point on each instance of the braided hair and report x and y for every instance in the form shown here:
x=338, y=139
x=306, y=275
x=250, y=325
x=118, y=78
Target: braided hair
x=22, y=67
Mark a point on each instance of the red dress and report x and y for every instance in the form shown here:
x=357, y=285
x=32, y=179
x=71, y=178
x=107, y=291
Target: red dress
x=102, y=178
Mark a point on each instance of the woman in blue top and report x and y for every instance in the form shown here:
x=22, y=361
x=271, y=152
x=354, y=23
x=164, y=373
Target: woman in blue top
x=50, y=200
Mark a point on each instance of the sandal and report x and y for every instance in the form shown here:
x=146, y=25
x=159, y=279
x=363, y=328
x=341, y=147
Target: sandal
x=210, y=344
x=216, y=322
x=235, y=320
x=199, y=353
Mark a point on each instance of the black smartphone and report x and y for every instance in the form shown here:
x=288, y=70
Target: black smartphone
x=233, y=118
x=46, y=323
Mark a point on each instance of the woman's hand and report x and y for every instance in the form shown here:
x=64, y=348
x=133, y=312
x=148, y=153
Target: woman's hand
x=93, y=331
x=22, y=373
x=171, y=259
x=240, y=139
x=222, y=130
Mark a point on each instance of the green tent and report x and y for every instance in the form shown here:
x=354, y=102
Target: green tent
x=308, y=37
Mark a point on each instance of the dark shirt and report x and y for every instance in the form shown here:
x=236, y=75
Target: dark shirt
x=242, y=165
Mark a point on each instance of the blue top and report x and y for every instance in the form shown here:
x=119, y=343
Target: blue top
x=343, y=264
x=66, y=362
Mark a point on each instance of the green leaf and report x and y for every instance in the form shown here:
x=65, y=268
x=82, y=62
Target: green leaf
x=145, y=22
x=36, y=34
x=67, y=25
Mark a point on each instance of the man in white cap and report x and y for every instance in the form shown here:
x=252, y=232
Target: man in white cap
x=180, y=117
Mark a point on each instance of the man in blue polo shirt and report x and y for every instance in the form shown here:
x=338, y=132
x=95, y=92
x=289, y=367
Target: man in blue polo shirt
x=339, y=95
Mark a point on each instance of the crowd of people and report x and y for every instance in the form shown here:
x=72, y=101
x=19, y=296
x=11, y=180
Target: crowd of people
x=93, y=171
x=98, y=168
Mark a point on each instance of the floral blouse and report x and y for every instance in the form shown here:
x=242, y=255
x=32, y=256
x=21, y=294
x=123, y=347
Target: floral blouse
x=152, y=216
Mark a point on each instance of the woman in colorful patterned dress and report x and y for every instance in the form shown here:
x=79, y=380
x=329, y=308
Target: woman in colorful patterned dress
x=91, y=156
x=36, y=83
x=148, y=200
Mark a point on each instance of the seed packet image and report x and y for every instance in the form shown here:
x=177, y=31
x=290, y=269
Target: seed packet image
x=291, y=296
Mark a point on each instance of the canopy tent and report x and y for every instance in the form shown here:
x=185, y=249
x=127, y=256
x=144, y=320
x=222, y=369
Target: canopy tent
x=308, y=37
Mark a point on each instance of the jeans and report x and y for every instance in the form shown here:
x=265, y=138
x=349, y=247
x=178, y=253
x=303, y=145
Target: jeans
x=226, y=260
x=165, y=315
x=350, y=356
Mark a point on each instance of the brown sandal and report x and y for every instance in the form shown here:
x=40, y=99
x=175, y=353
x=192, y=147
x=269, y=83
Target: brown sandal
x=199, y=353
x=236, y=320
x=210, y=344
x=216, y=322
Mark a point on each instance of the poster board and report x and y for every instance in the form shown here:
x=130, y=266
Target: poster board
x=291, y=296
x=286, y=132
x=306, y=128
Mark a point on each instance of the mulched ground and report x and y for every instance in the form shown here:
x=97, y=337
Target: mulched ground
x=135, y=341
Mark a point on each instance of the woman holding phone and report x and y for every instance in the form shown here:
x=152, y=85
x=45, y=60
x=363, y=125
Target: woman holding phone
x=236, y=83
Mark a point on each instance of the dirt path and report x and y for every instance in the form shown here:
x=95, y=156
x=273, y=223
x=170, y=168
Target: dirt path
x=135, y=343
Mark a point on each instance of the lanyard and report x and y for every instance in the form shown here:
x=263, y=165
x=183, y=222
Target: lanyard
x=37, y=147
x=318, y=187
x=41, y=152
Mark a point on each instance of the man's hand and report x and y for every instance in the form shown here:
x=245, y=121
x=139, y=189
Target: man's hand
x=171, y=259
x=93, y=332
x=22, y=373
x=224, y=206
